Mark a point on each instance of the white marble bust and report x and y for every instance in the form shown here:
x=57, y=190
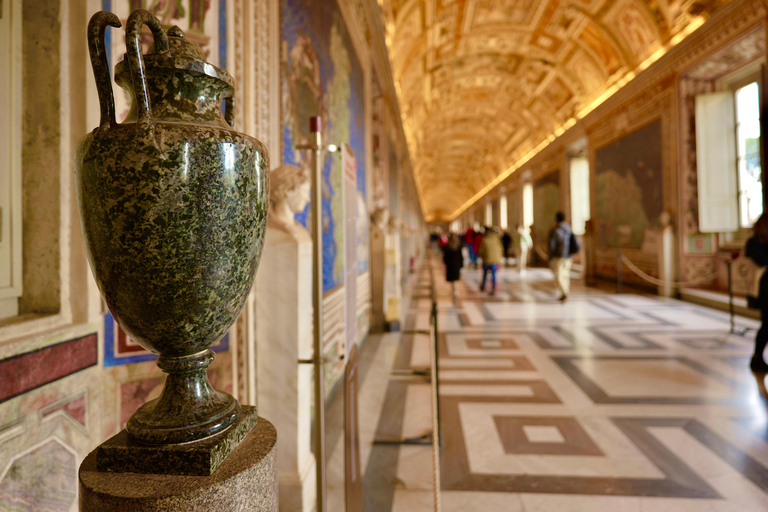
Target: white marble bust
x=289, y=195
x=379, y=218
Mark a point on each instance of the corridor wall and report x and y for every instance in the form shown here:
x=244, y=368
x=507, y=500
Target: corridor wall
x=69, y=377
x=641, y=143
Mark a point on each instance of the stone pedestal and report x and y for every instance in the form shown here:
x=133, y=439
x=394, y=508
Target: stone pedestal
x=392, y=287
x=666, y=255
x=378, y=272
x=245, y=481
x=283, y=336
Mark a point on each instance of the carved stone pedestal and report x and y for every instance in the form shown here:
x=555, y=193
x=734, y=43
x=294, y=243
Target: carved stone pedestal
x=666, y=255
x=284, y=335
x=245, y=481
x=378, y=268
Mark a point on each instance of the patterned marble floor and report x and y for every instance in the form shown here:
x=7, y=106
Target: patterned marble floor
x=607, y=402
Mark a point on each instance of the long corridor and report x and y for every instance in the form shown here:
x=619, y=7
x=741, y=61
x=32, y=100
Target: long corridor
x=605, y=403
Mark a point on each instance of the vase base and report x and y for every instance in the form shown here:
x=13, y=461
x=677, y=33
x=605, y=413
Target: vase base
x=123, y=454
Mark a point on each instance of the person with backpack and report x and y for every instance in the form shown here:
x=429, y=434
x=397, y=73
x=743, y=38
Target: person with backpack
x=562, y=246
x=757, y=250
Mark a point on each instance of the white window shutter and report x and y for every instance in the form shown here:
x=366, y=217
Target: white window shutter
x=10, y=157
x=716, y=163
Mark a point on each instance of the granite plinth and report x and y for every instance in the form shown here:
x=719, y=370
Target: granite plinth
x=245, y=481
x=122, y=454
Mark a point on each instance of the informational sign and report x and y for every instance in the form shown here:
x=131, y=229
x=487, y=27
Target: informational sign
x=349, y=170
x=353, y=488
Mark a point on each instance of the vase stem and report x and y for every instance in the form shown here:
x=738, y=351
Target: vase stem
x=188, y=409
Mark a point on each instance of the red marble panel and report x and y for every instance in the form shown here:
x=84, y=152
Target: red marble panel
x=75, y=408
x=25, y=372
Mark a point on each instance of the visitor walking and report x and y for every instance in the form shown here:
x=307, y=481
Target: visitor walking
x=560, y=252
x=757, y=250
x=524, y=244
x=469, y=243
x=490, y=251
x=453, y=260
x=476, y=243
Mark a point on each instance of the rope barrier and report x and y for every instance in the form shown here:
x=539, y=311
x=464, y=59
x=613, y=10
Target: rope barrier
x=435, y=428
x=541, y=253
x=660, y=282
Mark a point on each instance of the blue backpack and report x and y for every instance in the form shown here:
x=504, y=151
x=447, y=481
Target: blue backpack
x=573, y=245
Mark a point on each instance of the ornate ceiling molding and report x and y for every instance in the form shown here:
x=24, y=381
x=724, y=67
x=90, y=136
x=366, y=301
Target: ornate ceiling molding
x=483, y=85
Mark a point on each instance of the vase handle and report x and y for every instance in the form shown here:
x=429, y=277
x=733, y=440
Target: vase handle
x=229, y=109
x=97, y=28
x=136, y=20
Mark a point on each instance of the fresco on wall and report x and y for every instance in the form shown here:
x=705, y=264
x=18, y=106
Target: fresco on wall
x=628, y=188
x=119, y=348
x=321, y=75
x=546, y=203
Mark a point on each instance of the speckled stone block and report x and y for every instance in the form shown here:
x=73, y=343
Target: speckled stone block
x=245, y=481
x=122, y=454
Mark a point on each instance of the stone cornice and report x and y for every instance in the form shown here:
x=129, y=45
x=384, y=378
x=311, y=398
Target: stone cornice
x=381, y=64
x=729, y=22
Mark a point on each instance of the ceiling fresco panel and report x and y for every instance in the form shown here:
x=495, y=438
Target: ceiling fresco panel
x=632, y=23
x=482, y=83
x=594, y=40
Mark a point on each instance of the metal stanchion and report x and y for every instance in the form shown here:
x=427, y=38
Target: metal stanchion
x=730, y=297
x=316, y=147
x=437, y=370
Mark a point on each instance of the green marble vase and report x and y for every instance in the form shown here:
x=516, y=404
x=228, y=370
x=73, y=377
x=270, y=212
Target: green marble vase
x=173, y=205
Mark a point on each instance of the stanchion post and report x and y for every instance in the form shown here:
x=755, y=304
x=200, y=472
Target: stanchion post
x=437, y=366
x=317, y=304
x=728, y=264
x=316, y=147
x=619, y=271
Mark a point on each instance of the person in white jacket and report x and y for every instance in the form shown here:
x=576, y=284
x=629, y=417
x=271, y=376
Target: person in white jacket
x=524, y=244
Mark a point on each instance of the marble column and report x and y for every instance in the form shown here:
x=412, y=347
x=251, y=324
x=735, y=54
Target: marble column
x=392, y=278
x=377, y=259
x=588, y=252
x=377, y=265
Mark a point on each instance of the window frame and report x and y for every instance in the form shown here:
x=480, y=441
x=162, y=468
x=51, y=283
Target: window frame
x=732, y=82
x=10, y=215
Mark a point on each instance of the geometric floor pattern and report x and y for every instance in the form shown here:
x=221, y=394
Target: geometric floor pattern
x=607, y=402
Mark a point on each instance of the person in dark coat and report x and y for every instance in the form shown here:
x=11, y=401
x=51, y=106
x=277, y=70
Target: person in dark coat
x=757, y=250
x=506, y=242
x=453, y=260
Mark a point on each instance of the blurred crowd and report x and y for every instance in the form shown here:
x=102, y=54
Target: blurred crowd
x=488, y=246
x=491, y=247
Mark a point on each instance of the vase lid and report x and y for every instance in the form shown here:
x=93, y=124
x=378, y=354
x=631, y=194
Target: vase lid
x=182, y=54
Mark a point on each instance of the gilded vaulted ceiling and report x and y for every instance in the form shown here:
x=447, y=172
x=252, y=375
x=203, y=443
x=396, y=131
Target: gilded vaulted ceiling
x=484, y=84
